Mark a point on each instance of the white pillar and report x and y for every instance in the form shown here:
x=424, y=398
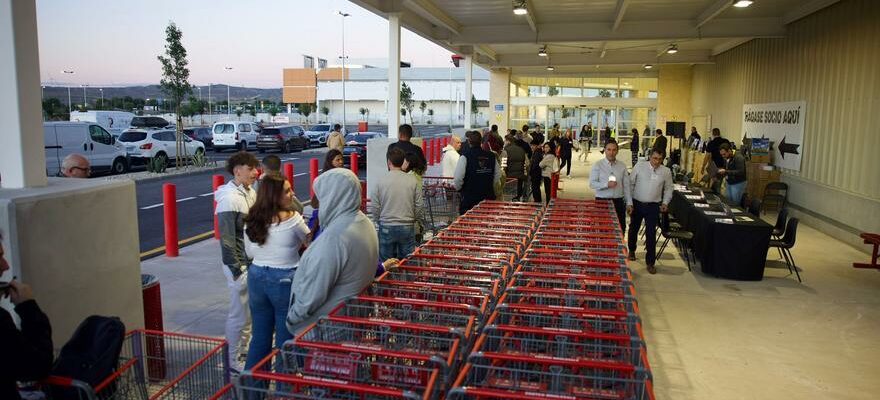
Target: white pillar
x=468, y=91
x=22, y=156
x=499, y=98
x=393, y=74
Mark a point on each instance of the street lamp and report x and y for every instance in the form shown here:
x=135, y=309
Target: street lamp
x=85, y=100
x=102, y=97
x=69, y=103
x=343, y=66
x=228, y=99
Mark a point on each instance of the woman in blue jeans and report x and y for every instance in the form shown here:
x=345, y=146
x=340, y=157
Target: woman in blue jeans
x=274, y=235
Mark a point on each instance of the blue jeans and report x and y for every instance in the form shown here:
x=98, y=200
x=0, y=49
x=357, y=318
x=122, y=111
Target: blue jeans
x=269, y=302
x=396, y=241
x=735, y=192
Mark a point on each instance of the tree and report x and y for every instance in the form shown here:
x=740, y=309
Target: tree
x=403, y=113
x=325, y=111
x=423, y=106
x=175, y=79
x=305, y=109
x=363, y=112
x=273, y=110
x=474, y=109
x=238, y=112
x=553, y=91
x=406, y=100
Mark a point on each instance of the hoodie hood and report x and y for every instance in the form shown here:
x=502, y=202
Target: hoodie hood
x=339, y=194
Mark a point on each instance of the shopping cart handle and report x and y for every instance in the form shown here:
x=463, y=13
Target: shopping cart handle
x=55, y=380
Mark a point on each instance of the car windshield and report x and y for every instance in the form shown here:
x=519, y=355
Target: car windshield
x=360, y=139
x=271, y=131
x=224, y=128
x=132, y=136
x=320, y=128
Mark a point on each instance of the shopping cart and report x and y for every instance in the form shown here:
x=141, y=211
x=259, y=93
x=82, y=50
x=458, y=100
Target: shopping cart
x=523, y=377
x=505, y=255
x=460, y=232
x=567, y=320
x=490, y=282
x=441, y=201
x=430, y=293
x=562, y=234
x=155, y=365
x=261, y=383
x=571, y=299
x=460, y=262
x=448, y=236
x=573, y=282
x=500, y=226
x=608, y=271
x=460, y=317
x=585, y=244
x=609, y=256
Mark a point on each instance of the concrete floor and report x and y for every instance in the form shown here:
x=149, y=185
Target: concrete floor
x=707, y=338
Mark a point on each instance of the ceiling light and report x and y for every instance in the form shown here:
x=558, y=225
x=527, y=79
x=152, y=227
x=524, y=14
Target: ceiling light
x=519, y=7
x=626, y=84
x=673, y=48
x=550, y=68
x=742, y=3
x=542, y=52
x=648, y=66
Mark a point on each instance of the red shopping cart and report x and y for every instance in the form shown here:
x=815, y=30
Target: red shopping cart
x=430, y=293
x=462, y=262
x=572, y=282
x=567, y=320
x=489, y=281
x=503, y=255
x=571, y=299
x=610, y=271
x=459, y=317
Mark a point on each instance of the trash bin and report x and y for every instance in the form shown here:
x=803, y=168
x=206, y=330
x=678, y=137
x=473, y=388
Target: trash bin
x=152, y=294
x=362, y=126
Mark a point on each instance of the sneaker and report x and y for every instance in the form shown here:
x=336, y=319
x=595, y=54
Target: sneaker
x=632, y=256
x=652, y=269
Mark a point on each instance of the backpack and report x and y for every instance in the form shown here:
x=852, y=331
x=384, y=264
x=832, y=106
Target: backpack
x=91, y=354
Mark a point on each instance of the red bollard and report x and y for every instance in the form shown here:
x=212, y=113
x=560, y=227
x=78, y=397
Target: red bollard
x=364, y=196
x=313, y=174
x=288, y=173
x=438, y=150
x=445, y=141
x=554, y=184
x=354, y=163
x=429, y=151
x=169, y=200
x=425, y=148
x=218, y=181
x=259, y=173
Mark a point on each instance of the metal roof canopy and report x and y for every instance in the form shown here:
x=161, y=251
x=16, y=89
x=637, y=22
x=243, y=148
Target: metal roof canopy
x=592, y=36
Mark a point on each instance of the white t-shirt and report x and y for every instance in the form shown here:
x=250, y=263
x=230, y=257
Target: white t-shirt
x=281, y=249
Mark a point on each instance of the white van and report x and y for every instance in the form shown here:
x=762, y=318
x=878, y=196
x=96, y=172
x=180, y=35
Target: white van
x=113, y=121
x=238, y=135
x=86, y=138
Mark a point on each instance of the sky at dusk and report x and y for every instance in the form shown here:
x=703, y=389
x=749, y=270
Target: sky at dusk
x=109, y=43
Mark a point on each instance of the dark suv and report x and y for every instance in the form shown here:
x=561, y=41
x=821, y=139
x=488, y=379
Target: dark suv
x=285, y=138
x=202, y=134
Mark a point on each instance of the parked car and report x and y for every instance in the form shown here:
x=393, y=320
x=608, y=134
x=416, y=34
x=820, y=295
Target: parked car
x=147, y=121
x=143, y=144
x=318, y=134
x=357, y=143
x=202, y=134
x=238, y=135
x=86, y=138
x=284, y=138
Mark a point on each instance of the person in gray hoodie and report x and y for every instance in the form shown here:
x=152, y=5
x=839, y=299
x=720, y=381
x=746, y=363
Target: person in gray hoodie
x=342, y=261
x=234, y=199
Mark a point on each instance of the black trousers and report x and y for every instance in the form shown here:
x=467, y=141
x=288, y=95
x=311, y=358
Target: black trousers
x=650, y=212
x=566, y=162
x=520, y=187
x=536, y=188
x=620, y=209
x=547, y=188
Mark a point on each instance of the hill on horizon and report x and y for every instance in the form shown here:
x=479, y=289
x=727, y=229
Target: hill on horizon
x=218, y=93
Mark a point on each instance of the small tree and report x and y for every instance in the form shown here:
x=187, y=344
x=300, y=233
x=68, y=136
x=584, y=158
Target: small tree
x=326, y=111
x=363, y=112
x=430, y=115
x=273, y=110
x=175, y=79
x=305, y=109
x=406, y=100
x=403, y=113
x=238, y=112
x=474, y=108
x=422, y=107
x=553, y=91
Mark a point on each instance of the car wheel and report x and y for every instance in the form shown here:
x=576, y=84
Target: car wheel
x=163, y=157
x=119, y=166
x=200, y=152
x=285, y=148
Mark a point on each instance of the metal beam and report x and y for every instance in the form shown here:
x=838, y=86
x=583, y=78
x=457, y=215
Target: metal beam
x=603, y=49
x=806, y=9
x=531, y=17
x=641, y=30
x=622, y=57
x=621, y=9
x=712, y=11
x=428, y=10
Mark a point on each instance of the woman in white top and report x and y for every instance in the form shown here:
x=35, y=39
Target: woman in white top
x=549, y=165
x=274, y=235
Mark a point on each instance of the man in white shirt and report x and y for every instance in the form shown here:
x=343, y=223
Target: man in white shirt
x=650, y=195
x=451, y=156
x=609, y=179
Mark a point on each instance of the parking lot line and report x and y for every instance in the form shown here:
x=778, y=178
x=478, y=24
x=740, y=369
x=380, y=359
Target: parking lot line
x=206, y=194
x=178, y=200
x=152, y=206
x=185, y=199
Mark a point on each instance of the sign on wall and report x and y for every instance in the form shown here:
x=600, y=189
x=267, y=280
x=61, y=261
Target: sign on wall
x=783, y=124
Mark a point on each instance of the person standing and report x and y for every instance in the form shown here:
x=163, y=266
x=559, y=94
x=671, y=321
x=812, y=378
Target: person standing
x=660, y=142
x=694, y=136
x=734, y=171
x=414, y=154
x=585, y=137
x=517, y=159
x=272, y=166
x=549, y=165
x=650, y=195
x=634, y=146
x=526, y=136
x=566, y=145
x=234, y=199
x=475, y=174
x=75, y=166
x=333, y=159
x=714, y=149
x=341, y=262
x=609, y=179
x=336, y=140
x=493, y=141
x=450, y=156
x=274, y=235
x=398, y=206
x=535, y=175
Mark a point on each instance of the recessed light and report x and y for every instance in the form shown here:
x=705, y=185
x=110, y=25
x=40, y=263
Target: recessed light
x=673, y=48
x=742, y=3
x=519, y=7
x=648, y=66
x=542, y=52
x=626, y=84
x=550, y=68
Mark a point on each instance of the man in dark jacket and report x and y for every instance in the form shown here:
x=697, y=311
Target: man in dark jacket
x=476, y=174
x=516, y=164
x=27, y=353
x=714, y=148
x=734, y=171
x=535, y=168
x=414, y=154
x=660, y=142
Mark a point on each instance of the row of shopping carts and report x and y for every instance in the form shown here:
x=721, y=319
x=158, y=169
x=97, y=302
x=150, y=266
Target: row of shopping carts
x=567, y=324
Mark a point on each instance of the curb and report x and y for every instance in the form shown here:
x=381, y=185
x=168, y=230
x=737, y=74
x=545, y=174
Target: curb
x=161, y=176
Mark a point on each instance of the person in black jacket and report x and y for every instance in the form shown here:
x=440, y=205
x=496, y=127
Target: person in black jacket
x=634, y=146
x=414, y=154
x=565, y=149
x=660, y=143
x=26, y=354
x=535, y=168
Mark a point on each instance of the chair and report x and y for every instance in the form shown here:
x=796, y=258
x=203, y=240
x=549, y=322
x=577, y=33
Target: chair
x=786, y=244
x=776, y=193
x=680, y=238
x=755, y=207
x=781, y=219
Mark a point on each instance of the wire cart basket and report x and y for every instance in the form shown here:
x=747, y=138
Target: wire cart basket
x=441, y=201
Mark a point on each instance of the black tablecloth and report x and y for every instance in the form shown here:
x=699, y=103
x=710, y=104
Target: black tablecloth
x=732, y=251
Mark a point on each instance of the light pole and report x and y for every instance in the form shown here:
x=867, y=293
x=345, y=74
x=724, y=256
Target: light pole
x=210, y=109
x=228, y=99
x=343, y=66
x=85, y=100
x=102, y=97
x=69, y=103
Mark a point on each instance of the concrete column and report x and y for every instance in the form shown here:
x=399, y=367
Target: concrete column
x=393, y=74
x=22, y=157
x=499, y=98
x=468, y=91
